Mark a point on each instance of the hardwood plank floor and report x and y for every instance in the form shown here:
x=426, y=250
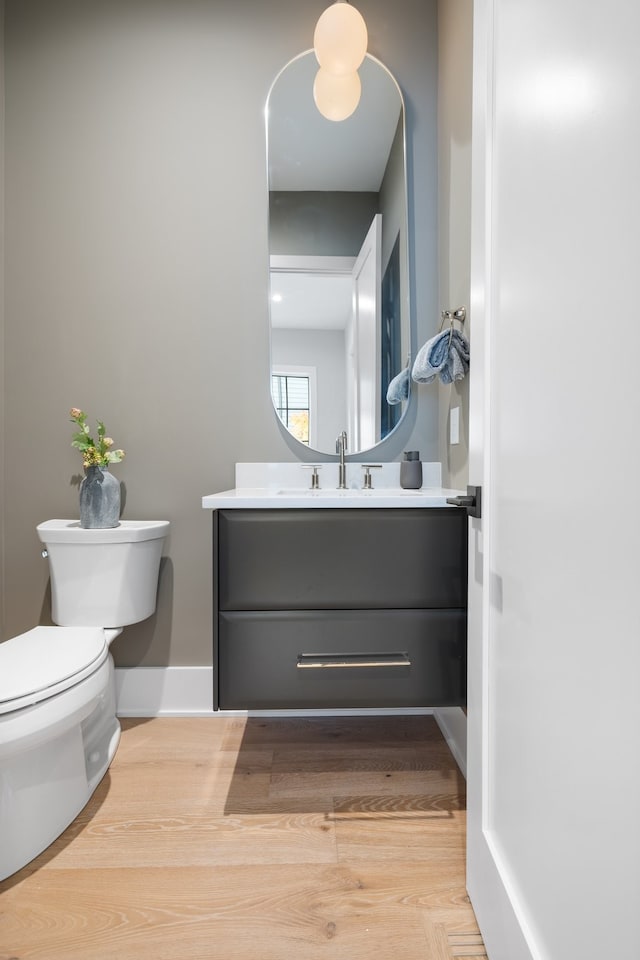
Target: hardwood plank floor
x=257, y=839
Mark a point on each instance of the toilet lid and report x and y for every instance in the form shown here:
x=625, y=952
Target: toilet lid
x=47, y=660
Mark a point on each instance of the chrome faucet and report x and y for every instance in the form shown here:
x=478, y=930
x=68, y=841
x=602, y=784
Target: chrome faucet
x=341, y=446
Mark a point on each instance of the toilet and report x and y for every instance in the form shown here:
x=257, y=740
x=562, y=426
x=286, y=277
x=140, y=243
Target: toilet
x=58, y=724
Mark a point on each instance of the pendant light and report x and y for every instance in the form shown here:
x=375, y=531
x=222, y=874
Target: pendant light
x=340, y=38
x=340, y=45
x=336, y=97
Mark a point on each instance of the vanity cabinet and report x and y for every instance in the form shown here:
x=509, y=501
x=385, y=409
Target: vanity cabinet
x=337, y=608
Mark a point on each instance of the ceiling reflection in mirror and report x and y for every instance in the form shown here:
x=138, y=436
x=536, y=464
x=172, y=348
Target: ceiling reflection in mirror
x=338, y=247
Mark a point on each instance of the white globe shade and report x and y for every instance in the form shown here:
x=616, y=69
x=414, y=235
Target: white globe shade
x=336, y=97
x=340, y=39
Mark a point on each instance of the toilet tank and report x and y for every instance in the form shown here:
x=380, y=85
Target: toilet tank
x=103, y=578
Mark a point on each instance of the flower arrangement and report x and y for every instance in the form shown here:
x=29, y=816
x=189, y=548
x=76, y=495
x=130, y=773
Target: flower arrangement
x=94, y=454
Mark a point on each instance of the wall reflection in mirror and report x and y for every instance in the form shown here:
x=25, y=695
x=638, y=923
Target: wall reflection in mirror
x=338, y=246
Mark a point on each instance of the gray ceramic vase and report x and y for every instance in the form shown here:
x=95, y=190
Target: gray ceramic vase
x=99, y=499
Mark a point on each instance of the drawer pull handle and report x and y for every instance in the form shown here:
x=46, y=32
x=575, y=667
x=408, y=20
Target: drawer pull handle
x=312, y=661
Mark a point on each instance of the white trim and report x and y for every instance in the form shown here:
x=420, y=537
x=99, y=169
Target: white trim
x=498, y=909
x=332, y=266
x=164, y=691
x=344, y=712
x=188, y=692
x=453, y=726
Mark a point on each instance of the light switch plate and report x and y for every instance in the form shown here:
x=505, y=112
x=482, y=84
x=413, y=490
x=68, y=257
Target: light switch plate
x=454, y=425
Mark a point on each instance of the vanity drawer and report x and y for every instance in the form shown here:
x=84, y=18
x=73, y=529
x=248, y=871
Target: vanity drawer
x=341, y=559
x=333, y=659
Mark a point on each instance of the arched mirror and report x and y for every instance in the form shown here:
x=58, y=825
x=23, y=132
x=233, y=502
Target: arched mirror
x=339, y=277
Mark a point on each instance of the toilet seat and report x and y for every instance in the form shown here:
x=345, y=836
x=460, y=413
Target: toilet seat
x=45, y=661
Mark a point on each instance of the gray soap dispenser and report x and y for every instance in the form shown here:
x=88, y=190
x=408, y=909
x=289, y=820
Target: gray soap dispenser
x=411, y=471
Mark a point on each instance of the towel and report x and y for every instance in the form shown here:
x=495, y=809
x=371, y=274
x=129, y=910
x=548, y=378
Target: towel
x=398, y=389
x=458, y=362
x=430, y=358
x=446, y=354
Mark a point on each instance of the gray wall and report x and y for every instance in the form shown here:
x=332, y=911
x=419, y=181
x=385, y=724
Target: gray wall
x=136, y=267
x=455, y=27
x=319, y=223
x=393, y=205
x=326, y=351
x=392, y=200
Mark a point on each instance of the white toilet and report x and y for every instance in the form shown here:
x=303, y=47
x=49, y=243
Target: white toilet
x=58, y=724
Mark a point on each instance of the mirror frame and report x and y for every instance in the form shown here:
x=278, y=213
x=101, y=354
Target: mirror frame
x=406, y=325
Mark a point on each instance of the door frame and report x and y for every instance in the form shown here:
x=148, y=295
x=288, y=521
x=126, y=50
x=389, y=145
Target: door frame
x=492, y=894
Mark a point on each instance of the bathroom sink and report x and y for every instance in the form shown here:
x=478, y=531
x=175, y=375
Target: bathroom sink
x=355, y=492
x=306, y=492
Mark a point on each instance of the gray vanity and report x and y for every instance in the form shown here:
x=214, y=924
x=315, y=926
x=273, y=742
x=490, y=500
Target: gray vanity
x=330, y=590
x=329, y=601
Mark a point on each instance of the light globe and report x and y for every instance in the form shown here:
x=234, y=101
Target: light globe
x=340, y=39
x=336, y=97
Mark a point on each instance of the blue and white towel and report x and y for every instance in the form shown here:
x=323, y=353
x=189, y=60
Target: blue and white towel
x=398, y=389
x=446, y=355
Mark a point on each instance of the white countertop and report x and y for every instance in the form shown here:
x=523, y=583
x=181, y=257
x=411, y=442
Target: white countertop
x=262, y=498
x=277, y=486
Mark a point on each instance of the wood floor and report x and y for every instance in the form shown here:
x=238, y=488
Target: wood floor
x=257, y=839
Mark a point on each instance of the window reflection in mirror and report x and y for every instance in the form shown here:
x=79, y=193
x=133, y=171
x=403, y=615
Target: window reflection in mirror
x=338, y=254
x=291, y=389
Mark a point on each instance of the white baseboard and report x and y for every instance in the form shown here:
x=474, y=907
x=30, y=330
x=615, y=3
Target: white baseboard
x=164, y=691
x=337, y=712
x=188, y=692
x=453, y=725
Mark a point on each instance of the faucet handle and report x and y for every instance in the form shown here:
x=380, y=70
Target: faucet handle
x=367, y=467
x=315, y=479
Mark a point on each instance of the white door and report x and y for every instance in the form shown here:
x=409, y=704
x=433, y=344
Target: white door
x=554, y=639
x=366, y=277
